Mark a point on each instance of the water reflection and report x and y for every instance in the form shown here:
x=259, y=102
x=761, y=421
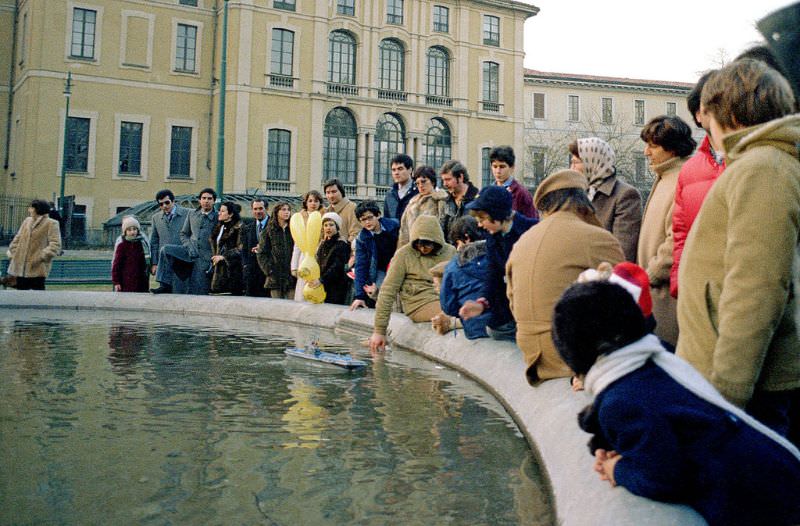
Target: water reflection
x=151, y=423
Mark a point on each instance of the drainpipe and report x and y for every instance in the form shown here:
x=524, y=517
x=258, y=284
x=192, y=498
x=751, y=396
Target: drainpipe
x=211, y=87
x=222, y=87
x=11, y=71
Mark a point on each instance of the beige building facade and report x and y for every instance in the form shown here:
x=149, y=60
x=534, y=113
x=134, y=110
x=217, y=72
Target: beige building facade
x=315, y=89
x=562, y=107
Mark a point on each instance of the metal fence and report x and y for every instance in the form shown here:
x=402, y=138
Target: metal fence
x=13, y=211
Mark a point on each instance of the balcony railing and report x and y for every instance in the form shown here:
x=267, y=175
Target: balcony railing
x=399, y=96
x=280, y=81
x=278, y=186
x=491, y=106
x=342, y=89
x=438, y=100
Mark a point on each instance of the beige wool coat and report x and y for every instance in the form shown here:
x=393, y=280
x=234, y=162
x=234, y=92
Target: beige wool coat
x=347, y=211
x=545, y=261
x=654, y=253
x=32, y=250
x=737, y=301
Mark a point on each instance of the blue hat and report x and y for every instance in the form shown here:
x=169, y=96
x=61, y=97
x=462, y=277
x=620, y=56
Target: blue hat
x=495, y=201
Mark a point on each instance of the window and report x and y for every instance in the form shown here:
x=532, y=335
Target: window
x=84, y=23
x=438, y=81
x=185, y=48
x=538, y=105
x=394, y=11
x=441, y=19
x=389, y=141
x=188, y=2
x=279, y=149
x=487, y=179
x=341, y=58
x=346, y=7
x=491, y=30
x=180, y=153
x=390, y=72
x=672, y=109
x=339, y=146
x=284, y=4
x=638, y=112
x=282, y=56
x=130, y=148
x=607, y=107
x=573, y=108
x=538, y=160
x=76, y=157
x=491, y=86
x=438, y=144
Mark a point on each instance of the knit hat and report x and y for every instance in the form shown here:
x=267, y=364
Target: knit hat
x=598, y=161
x=495, y=201
x=336, y=218
x=633, y=278
x=128, y=222
x=627, y=275
x=558, y=181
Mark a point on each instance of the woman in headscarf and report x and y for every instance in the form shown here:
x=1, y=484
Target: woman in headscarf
x=617, y=205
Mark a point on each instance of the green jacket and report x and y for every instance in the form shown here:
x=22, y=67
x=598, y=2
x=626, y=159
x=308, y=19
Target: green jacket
x=736, y=303
x=409, y=273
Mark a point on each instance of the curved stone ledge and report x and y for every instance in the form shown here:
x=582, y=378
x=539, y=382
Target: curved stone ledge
x=546, y=413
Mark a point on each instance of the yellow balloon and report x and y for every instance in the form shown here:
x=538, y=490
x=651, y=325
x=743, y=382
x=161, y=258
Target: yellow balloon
x=313, y=232
x=314, y=295
x=298, y=229
x=309, y=268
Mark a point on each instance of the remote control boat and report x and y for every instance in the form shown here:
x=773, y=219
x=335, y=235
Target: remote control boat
x=314, y=354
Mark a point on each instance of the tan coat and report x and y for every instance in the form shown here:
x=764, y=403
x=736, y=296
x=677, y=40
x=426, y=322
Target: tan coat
x=33, y=248
x=347, y=211
x=409, y=274
x=736, y=303
x=655, y=246
x=543, y=263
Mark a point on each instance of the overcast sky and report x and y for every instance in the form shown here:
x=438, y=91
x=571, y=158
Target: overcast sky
x=655, y=40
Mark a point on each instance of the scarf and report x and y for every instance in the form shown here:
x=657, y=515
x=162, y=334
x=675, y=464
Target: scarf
x=611, y=367
x=598, y=162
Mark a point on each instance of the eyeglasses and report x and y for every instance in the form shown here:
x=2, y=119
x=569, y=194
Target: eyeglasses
x=165, y=202
x=425, y=243
x=364, y=219
x=421, y=181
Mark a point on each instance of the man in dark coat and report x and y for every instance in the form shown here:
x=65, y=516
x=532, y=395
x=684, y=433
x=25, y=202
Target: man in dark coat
x=493, y=211
x=460, y=192
x=167, y=224
x=253, y=275
x=191, y=260
x=403, y=189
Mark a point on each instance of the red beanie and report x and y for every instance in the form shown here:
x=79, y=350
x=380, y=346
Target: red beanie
x=633, y=278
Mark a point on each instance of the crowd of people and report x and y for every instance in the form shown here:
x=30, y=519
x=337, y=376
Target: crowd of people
x=688, y=340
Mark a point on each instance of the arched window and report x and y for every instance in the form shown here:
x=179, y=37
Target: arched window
x=392, y=65
x=339, y=146
x=438, y=143
x=390, y=135
x=341, y=58
x=438, y=77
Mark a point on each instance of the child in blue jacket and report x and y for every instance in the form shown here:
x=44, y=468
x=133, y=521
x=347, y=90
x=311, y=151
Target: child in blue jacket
x=660, y=429
x=465, y=275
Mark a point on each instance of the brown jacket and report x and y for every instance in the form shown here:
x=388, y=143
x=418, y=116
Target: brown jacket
x=618, y=207
x=347, y=211
x=736, y=302
x=655, y=246
x=544, y=262
x=33, y=248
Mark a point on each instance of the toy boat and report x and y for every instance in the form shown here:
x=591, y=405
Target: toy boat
x=344, y=361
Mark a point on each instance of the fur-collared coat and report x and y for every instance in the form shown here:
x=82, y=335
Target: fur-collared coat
x=32, y=250
x=228, y=272
x=275, y=246
x=432, y=204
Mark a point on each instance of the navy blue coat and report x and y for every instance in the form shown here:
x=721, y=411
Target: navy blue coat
x=393, y=206
x=498, y=248
x=677, y=447
x=366, y=266
x=463, y=280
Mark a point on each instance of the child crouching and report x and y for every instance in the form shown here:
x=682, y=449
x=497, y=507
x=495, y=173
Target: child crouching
x=660, y=429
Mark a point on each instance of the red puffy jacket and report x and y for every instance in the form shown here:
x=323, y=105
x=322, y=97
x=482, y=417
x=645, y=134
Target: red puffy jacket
x=695, y=180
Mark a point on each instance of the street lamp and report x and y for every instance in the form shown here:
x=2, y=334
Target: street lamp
x=67, y=94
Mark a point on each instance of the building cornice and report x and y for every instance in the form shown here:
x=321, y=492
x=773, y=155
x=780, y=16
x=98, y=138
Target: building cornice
x=528, y=10
x=614, y=83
